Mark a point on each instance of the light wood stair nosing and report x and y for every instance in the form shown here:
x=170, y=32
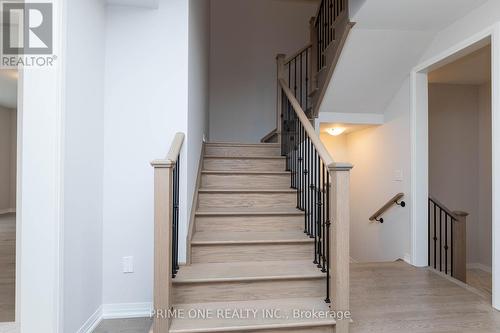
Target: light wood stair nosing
x=252, y=279
x=248, y=213
x=252, y=242
x=245, y=157
x=244, y=173
x=242, y=144
x=246, y=190
x=280, y=326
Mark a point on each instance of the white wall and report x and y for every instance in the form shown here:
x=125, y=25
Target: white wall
x=378, y=153
x=83, y=161
x=7, y=145
x=146, y=85
x=246, y=36
x=199, y=51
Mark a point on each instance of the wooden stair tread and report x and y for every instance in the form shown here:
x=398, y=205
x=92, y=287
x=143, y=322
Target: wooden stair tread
x=217, y=323
x=246, y=190
x=245, y=157
x=243, y=144
x=248, y=271
x=254, y=212
x=239, y=172
x=208, y=238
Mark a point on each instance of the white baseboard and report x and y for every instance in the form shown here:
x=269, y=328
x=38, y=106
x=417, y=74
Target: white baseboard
x=93, y=321
x=477, y=265
x=126, y=310
x=407, y=258
x=7, y=211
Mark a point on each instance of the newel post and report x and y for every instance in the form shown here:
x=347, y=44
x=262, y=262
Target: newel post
x=339, y=240
x=459, y=239
x=280, y=74
x=163, y=210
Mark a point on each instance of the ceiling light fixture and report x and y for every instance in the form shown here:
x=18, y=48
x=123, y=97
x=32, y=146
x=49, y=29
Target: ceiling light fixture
x=335, y=131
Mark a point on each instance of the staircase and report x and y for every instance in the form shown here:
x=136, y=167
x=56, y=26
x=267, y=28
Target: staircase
x=249, y=250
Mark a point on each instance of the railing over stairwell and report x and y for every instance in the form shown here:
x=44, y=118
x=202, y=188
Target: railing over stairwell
x=322, y=193
x=297, y=71
x=329, y=23
x=166, y=231
x=447, y=240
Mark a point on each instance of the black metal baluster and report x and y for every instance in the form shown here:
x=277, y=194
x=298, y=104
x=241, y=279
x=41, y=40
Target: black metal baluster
x=429, y=232
x=325, y=208
x=320, y=209
x=446, y=243
x=440, y=239
x=451, y=247
x=435, y=237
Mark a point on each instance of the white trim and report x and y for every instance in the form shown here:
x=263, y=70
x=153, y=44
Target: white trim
x=407, y=258
x=419, y=149
x=352, y=118
x=7, y=211
x=90, y=325
x=126, y=310
x=478, y=265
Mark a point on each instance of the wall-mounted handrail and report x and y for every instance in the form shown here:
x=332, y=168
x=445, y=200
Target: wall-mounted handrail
x=393, y=201
x=166, y=231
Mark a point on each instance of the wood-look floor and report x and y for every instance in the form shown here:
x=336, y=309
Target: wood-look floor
x=480, y=280
x=396, y=298
x=7, y=267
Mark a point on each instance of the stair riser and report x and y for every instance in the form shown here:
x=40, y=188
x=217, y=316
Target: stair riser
x=219, y=164
x=219, y=201
x=249, y=223
x=242, y=151
x=279, y=181
x=252, y=252
x=251, y=290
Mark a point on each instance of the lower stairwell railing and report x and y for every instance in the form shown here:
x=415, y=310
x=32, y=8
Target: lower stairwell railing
x=322, y=193
x=166, y=232
x=447, y=240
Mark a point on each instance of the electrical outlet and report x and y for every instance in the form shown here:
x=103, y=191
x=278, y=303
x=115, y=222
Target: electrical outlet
x=128, y=264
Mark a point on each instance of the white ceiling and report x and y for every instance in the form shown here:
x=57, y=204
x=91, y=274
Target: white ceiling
x=135, y=3
x=474, y=69
x=8, y=88
x=388, y=39
x=373, y=65
x=428, y=15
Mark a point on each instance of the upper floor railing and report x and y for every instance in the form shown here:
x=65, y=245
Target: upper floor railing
x=166, y=231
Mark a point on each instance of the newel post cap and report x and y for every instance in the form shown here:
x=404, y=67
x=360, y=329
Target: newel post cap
x=280, y=56
x=460, y=213
x=162, y=164
x=340, y=166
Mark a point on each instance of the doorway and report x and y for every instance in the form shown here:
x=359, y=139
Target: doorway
x=8, y=193
x=460, y=169
x=420, y=148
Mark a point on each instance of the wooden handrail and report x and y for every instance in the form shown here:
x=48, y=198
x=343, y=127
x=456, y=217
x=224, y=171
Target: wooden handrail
x=173, y=153
x=323, y=153
x=443, y=207
x=166, y=189
x=294, y=55
x=394, y=200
